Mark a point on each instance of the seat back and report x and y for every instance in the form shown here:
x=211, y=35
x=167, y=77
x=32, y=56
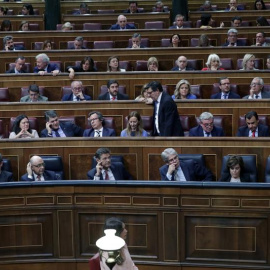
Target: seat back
x=165, y=42
x=199, y=158
x=218, y=121
x=154, y=25
x=267, y=170
x=94, y=262
x=196, y=90
x=144, y=42
x=2, y=130
x=19, y=43
x=125, y=65
x=105, y=44
x=114, y=159
x=194, y=42
x=227, y=63
x=192, y=63
x=216, y=89
x=105, y=11
x=26, y=67
x=104, y=89
x=187, y=24
x=6, y=165
x=24, y=90
x=4, y=94
x=58, y=63
x=92, y=26
x=242, y=41
x=55, y=164
x=34, y=27
x=141, y=65
x=70, y=44
x=250, y=166
x=185, y=123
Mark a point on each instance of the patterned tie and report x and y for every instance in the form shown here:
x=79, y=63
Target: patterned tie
x=225, y=96
x=208, y=134
x=113, y=98
x=107, y=175
x=98, y=133
x=38, y=178
x=78, y=99
x=57, y=133
x=253, y=133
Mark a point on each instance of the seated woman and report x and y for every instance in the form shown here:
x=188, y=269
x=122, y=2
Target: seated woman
x=3, y=11
x=21, y=128
x=248, y=62
x=124, y=262
x=134, y=126
x=27, y=9
x=175, y=41
x=204, y=41
x=67, y=27
x=86, y=65
x=113, y=65
x=24, y=26
x=47, y=45
x=152, y=64
x=213, y=63
x=235, y=171
x=143, y=97
x=206, y=20
x=262, y=21
x=259, y=5
x=6, y=25
x=183, y=91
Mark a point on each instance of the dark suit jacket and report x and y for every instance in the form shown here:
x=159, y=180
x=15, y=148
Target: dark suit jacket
x=117, y=26
x=263, y=131
x=192, y=170
x=238, y=43
x=69, y=97
x=177, y=69
x=226, y=177
x=13, y=71
x=175, y=27
x=48, y=176
x=168, y=117
x=118, y=170
x=106, y=132
x=106, y=96
x=73, y=48
x=128, y=11
x=6, y=176
x=198, y=132
x=141, y=47
x=51, y=67
x=232, y=95
x=263, y=93
x=70, y=130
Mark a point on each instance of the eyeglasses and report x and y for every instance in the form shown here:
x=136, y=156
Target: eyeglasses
x=254, y=84
x=225, y=83
x=39, y=165
x=93, y=119
x=76, y=88
x=173, y=159
x=208, y=124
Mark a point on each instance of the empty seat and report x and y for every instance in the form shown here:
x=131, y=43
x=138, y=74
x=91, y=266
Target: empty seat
x=106, y=44
x=34, y=27
x=187, y=24
x=267, y=170
x=194, y=42
x=144, y=42
x=266, y=88
x=154, y=25
x=105, y=11
x=6, y=164
x=258, y=63
x=24, y=90
x=19, y=43
x=27, y=67
x=226, y=63
x=186, y=123
x=4, y=94
x=55, y=164
x=242, y=41
x=104, y=89
x=196, y=90
x=141, y=65
x=10, y=12
x=125, y=65
x=192, y=63
x=92, y=26
x=70, y=119
x=165, y=42
x=58, y=63
x=262, y=120
x=250, y=166
x=199, y=158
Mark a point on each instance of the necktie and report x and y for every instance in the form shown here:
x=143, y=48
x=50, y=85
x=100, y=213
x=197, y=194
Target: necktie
x=107, y=175
x=78, y=99
x=98, y=133
x=208, y=134
x=256, y=96
x=113, y=98
x=225, y=96
x=38, y=178
x=253, y=133
x=57, y=133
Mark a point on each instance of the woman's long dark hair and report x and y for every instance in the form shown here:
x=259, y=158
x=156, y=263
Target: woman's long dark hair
x=16, y=125
x=91, y=63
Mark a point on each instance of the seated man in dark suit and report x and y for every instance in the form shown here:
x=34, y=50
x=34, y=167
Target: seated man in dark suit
x=178, y=22
x=19, y=66
x=133, y=8
x=233, y=6
x=77, y=94
x=253, y=127
x=78, y=44
x=136, y=42
x=9, y=44
x=54, y=128
x=36, y=171
x=225, y=90
x=34, y=95
x=113, y=94
x=97, y=129
x=82, y=10
x=256, y=90
x=176, y=170
x=232, y=40
x=122, y=24
x=206, y=127
x=181, y=64
x=44, y=66
x=105, y=170
x=5, y=176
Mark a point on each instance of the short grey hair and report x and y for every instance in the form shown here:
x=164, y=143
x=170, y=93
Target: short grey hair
x=79, y=39
x=44, y=57
x=212, y=57
x=206, y=116
x=166, y=153
x=6, y=38
x=261, y=82
x=232, y=31
x=72, y=84
x=136, y=35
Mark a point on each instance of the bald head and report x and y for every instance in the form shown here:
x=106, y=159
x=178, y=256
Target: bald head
x=122, y=21
x=182, y=62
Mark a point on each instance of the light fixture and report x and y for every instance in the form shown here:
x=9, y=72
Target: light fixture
x=111, y=244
